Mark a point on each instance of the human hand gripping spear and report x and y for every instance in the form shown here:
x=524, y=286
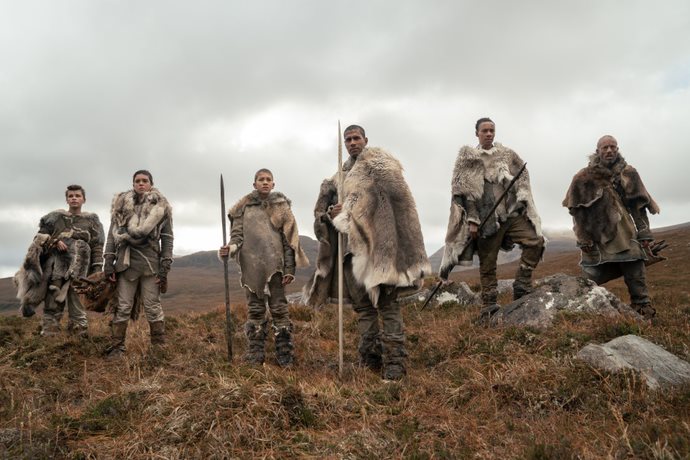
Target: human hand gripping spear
x=340, y=257
x=228, y=318
x=479, y=229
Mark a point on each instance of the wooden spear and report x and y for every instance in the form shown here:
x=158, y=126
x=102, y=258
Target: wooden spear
x=340, y=256
x=228, y=318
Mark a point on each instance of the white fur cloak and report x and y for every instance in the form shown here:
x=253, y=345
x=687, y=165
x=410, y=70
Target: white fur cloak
x=469, y=176
x=380, y=220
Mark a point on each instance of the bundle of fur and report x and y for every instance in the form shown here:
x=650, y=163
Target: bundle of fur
x=96, y=292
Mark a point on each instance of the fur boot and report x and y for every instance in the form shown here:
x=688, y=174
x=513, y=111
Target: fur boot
x=284, y=346
x=256, y=335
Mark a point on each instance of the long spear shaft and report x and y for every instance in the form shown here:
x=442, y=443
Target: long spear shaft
x=481, y=226
x=228, y=318
x=340, y=257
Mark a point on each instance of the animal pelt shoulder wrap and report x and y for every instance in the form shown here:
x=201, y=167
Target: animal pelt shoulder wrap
x=43, y=263
x=380, y=219
x=469, y=176
x=135, y=226
x=278, y=208
x=593, y=193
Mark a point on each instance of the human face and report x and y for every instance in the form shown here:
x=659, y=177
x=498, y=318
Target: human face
x=486, y=133
x=142, y=183
x=607, y=149
x=75, y=199
x=264, y=184
x=355, y=142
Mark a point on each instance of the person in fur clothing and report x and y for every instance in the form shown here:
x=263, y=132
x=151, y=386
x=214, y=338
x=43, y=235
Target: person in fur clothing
x=138, y=256
x=68, y=246
x=480, y=176
x=384, y=249
x=265, y=242
x=609, y=205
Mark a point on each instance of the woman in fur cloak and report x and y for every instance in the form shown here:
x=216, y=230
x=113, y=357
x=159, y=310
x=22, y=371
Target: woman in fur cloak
x=67, y=247
x=480, y=177
x=138, y=255
x=384, y=249
x=609, y=205
x=265, y=242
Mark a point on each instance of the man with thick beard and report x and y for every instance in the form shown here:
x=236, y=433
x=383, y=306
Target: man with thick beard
x=480, y=178
x=138, y=255
x=384, y=249
x=609, y=205
x=67, y=247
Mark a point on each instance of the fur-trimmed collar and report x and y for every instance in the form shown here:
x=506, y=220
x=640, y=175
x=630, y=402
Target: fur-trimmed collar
x=254, y=199
x=140, y=217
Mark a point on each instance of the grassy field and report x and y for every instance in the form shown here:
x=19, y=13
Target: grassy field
x=471, y=392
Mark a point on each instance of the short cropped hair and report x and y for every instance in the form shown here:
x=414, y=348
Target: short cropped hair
x=144, y=172
x=74, y=188
x=480, y=121
x=262, y=170
x=354, y=127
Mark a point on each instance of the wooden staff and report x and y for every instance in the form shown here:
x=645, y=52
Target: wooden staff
x=340, y=257
x=228, y=318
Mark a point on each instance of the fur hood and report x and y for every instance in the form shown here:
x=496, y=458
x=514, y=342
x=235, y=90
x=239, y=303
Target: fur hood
x=136, y=227
x=380, y=219
x=472, y=169
x=278, y=207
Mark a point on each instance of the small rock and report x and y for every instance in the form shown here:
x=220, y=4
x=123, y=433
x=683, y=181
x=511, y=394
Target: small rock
x=658, y=367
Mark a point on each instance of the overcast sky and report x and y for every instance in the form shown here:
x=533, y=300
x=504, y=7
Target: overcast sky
x=91, y=91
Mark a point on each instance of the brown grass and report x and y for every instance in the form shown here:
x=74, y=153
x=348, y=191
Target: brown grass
x=471, y=392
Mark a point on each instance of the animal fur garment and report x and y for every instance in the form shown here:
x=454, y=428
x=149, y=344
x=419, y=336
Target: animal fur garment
x=258, y=228
x=598, y=195
x=280, y=213
x=136, y=226
x=379, y=217
x=474, y=175
x=44, y=263
x=323, y=286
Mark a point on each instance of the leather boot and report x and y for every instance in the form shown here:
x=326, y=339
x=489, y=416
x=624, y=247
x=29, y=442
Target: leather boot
x=284, y=347
x=370, y=350
x=117, y=344
x=394, y=355
x=157, y=332
x=523, y=282
x=256, y=336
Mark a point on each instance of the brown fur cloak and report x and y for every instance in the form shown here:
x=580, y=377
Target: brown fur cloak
x=380, y=220
x=280, y=213
x=43, y=263
x=469, y=176
x=596, y=194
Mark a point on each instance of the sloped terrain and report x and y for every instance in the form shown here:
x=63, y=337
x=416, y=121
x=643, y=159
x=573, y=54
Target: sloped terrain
x=471, y=392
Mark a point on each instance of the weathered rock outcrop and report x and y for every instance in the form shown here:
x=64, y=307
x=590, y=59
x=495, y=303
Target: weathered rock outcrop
x=658, y=367
x=557, y=293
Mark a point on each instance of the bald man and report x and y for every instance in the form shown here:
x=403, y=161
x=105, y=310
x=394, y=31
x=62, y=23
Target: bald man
x=609, y=205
